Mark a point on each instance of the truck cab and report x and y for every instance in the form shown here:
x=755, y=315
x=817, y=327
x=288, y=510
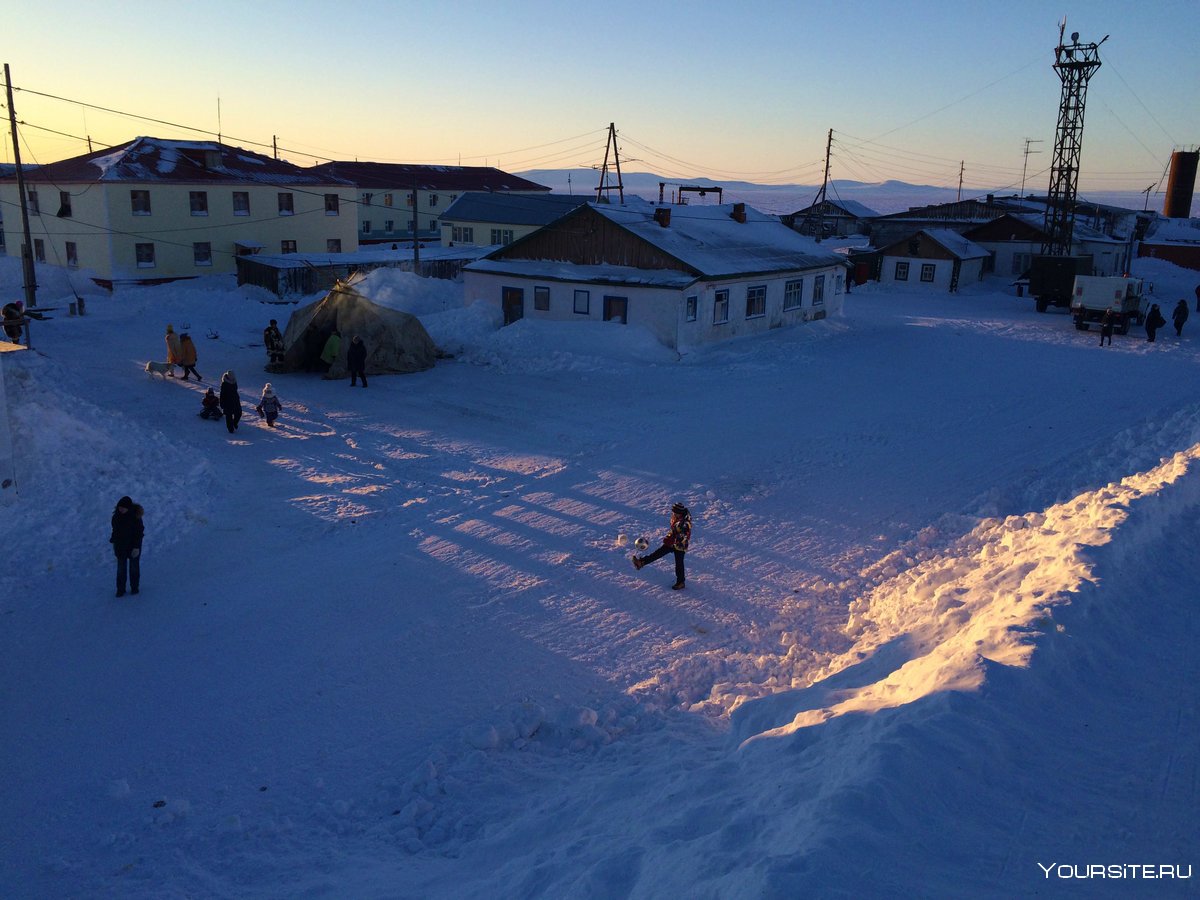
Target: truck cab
x=1093, y=295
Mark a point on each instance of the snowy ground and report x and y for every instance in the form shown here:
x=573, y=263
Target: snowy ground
x=937, y=639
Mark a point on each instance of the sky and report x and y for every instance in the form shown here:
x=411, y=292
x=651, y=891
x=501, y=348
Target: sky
x=937, y=639
x=743, y=91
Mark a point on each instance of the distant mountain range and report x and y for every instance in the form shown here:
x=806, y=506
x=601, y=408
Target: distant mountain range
x=778, y=199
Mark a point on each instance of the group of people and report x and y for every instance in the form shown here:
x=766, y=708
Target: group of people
x=181, y=351
x=229, y=404
x=1154, y=321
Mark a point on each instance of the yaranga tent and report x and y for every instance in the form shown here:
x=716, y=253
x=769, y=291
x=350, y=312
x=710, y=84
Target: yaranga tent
x=396, y=341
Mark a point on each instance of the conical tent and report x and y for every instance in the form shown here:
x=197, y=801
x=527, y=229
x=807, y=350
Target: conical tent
x=396, y=341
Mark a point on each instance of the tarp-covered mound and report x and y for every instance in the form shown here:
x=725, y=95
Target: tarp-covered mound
x=396, y=341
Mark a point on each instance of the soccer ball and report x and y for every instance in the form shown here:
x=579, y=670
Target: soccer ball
x=642, y=544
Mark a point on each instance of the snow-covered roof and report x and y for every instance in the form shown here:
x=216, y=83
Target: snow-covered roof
x=849, y=207
x=956, y=243
x=147, y=159
x=565, y=271
x=376, y=256
x=403, y=176
x=511, y=209
x=712, y=243
x=1184, y=231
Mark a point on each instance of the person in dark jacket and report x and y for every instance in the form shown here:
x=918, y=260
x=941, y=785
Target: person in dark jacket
x=1154, y=321
x=230, y=402
x=210, y=406
x=1179, y=316
x=1106, y=327
x=356, y=361
x=127, y=530
x=674, y=541
x=273, y=341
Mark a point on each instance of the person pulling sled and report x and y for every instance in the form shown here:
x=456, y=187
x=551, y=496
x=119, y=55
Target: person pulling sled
x=674, y=541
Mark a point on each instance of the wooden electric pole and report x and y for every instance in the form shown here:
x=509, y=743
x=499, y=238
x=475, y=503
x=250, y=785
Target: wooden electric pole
x=26, y=248
x=602, y=187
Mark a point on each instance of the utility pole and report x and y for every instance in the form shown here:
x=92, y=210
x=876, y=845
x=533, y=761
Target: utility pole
x=602, y=187
x=962, y=164
x=275, y=145
x=1025, y=164
x=26, y=248
x=817, y=210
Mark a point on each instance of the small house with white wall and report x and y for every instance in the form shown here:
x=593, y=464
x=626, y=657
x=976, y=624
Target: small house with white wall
x=936, y=258
x=689, y=274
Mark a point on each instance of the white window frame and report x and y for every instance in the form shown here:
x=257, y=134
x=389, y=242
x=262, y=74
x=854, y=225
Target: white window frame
x=35, y=208
x=136, y=205
x=721, y=307
x=202, y=253
x=901, y=272
x=818, y=290
x=198, y=203
x=389, y=225
x=756, y=294
x=929, y=269
x=288, y=247
x=286, y=203
x=690, y=308
x=243, y=210
x=333, y=205
x=39, y=250
x=586, y=296
x=793, y=293
x=366, y=226
x=144, y=253
x=366, y=199
x=541, y=299
x=72, y=253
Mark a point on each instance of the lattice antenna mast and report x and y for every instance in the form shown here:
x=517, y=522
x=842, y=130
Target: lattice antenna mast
x=1075, y=64
x=604, y=178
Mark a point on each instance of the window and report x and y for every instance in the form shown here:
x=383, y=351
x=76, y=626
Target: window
x=902, y=271
x=389, y=226
x=286, y=207
x=139, y=203
x=388, y=199
x=366, y=199
x=541, y=298
x=502, y=236
x=287, y=246
x=840, y=284
x=145, y=255
x=241, y=203
x=331, y=204
x=721, y=307
x=202, y=253
x=34, y=209
x=433, y=224
x=462, y=234
x=432, y=200
x=198, y=202
x=793, y=294
x=1021, y=263
x=408, y=198
x=690, y=308
x=64, y=204
x=756, y=301
x=819, y=291
x=72, y=254
x=333, y=245
x=39, y=250
x=582, y=302
x=927, y=270
x=412, y=226
x=366, y=226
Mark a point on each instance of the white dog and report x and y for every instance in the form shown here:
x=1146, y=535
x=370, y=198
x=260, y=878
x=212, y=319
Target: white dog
x=161, y=369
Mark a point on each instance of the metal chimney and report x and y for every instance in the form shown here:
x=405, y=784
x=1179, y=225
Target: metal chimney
x=1181, y=184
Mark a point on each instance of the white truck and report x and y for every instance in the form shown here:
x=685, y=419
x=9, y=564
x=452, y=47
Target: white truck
x=1093, y=295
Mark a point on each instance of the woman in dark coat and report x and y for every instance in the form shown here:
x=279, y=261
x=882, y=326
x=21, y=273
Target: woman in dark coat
x=127, y=530
x=356, y=361
x=231, y=403
x=1154, y=321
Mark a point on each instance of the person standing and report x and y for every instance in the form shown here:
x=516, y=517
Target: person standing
x=273, y=341
x=126, y=540
x=231, y=403
x=329, y=354
x=269, y=406
x=1179, y=316
x=187, y=356
x=674, y=541
x=1106, y=327
x=356, y=361
x=174, y=349
x=1198, y=298
x=1154, y=321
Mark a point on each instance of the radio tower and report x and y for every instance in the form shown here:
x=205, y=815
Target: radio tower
x=1075, y=64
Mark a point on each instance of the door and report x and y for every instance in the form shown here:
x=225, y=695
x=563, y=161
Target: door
x=616, y=309
x=512, y=300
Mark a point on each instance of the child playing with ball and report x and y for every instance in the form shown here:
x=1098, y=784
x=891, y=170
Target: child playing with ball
x=674, y=541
